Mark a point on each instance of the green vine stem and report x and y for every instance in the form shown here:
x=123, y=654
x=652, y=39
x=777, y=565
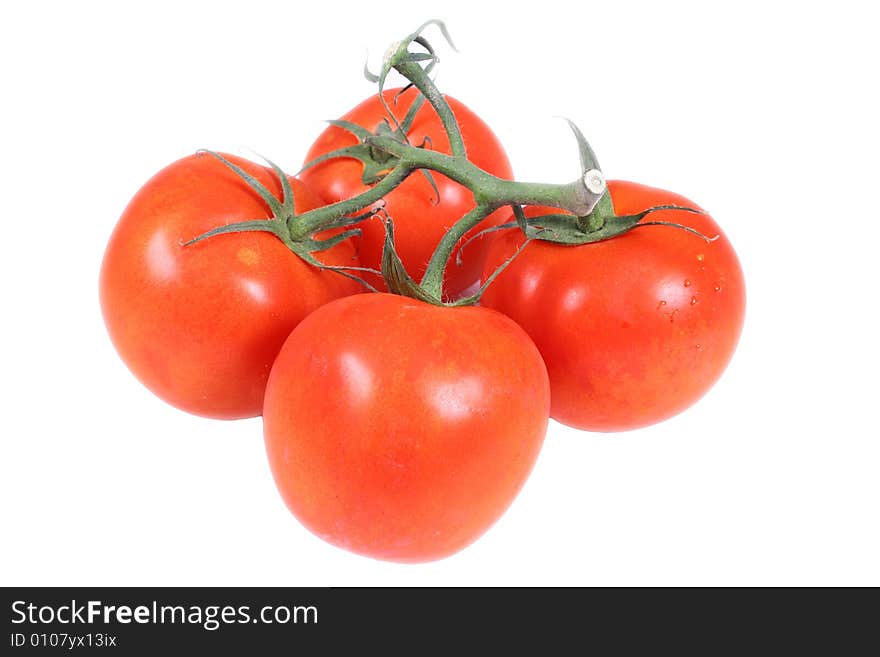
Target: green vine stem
x=577, y=197
x=587, y=212
x=432, y=280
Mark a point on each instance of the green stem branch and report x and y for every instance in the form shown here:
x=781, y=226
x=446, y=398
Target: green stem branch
x=432, y=281
x=413, y=72
x=314, y=220
x=486, y=188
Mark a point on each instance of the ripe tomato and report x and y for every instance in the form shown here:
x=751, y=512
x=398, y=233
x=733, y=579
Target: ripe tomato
x=419, y=221
x=401, y=430
x=634, y=329
x=200, y=325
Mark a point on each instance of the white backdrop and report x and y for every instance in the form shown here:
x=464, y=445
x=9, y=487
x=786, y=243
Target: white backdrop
x=766, y=114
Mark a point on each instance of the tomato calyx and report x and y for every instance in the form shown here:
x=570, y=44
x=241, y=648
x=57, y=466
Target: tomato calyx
x=601, y=223
x=377, y=162
x=282, y=223
x=401, y=283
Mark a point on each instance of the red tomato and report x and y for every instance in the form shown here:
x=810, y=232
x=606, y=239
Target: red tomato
x=634, y=329
x=401, y=430
x=419, y=222
x=200, y=325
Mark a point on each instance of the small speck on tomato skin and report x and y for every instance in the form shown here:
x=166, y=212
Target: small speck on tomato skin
x=417, y=431
x=248, y=256
x=671, y=288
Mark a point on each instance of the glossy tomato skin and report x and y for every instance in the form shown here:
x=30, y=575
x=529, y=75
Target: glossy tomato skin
x=419, y=222
x=634, y=329
x=200, y=325
x=400, y=430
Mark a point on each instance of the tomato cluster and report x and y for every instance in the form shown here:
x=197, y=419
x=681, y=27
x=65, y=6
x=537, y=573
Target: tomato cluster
x=397, y=427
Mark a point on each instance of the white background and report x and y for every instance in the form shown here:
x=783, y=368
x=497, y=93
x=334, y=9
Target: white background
x=764, y=113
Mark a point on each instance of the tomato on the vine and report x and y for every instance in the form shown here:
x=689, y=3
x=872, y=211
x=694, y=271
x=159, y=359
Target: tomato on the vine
x=633, y=329
x=402, y=430
x=200, y=324
x=420, y=216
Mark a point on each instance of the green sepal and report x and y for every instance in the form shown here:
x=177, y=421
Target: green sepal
x=287, y=210
x=476, y=296
x=300, y=249
x=376, y=163
x=604, y=208
x=566, y=228
x=274, y=204
x=313, y=245
x=400, y=282
x=282, y=221
x=358, y=131
x=410, y=117
x=688, y=229
x=430, y=178
x=597, y=226
x=348, y=220
x=523, y=222
x=396, y=277
x=368, y=74
x=257, y=225
x=374, y=170
x=283, y=211
x=347, y=151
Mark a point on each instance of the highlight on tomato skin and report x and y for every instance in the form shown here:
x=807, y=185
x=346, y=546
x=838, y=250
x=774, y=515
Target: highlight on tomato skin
x=634, y=329
x=421, y=215
x=400, y=430
x=200, y=325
